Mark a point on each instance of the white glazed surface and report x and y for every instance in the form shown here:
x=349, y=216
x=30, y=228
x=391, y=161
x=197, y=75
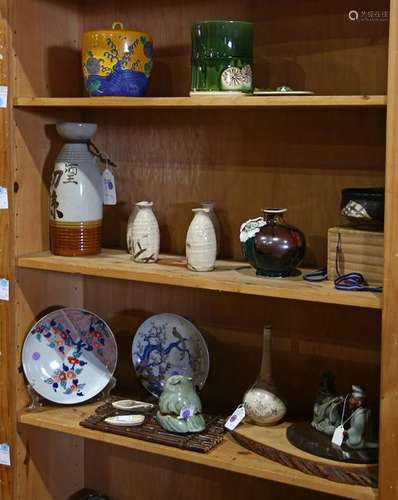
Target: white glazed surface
x=78, y=192
x=125, y=420
x=262, y=407
x=75, y=131
x=249, y=228
x=201, y=245
x=130, y=404
x=143, y=236
x=216, y=223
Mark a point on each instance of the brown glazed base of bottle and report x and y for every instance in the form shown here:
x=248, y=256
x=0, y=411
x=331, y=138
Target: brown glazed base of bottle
x=73, y=239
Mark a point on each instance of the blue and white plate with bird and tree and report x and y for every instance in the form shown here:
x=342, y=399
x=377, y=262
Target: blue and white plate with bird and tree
x=165, y=345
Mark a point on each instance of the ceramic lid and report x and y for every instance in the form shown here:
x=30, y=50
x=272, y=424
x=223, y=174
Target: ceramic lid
x=118, y=29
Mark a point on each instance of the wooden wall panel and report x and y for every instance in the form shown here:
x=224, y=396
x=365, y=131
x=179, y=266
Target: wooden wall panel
x=7, y=411
x=45, y=46
x=124, y=475
x=48, y=466
x=245, y=161
x=52, y=465
x=309, y=44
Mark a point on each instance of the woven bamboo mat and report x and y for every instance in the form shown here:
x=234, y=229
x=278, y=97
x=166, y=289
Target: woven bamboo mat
x=150, y=430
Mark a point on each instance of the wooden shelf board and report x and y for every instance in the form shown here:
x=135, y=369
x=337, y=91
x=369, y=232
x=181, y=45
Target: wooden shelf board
x=228, y=455
x=205, y=101
x=229, y=276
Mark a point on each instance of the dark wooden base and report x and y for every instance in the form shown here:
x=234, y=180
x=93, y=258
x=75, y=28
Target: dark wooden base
x=272, y=443
x=306, y=438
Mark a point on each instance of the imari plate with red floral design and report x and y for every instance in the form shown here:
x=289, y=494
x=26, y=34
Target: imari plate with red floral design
x=69, y=356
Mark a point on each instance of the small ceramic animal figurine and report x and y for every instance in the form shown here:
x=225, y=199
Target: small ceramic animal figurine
x=180, y=407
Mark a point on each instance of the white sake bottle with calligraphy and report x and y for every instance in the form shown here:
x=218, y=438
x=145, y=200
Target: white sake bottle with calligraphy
x=76, y=197
x=143, y=235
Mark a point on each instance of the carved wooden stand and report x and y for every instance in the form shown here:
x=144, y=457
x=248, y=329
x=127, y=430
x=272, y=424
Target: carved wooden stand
x=272, y=443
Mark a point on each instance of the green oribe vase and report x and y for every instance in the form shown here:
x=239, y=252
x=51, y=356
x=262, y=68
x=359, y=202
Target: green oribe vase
x=222, y=56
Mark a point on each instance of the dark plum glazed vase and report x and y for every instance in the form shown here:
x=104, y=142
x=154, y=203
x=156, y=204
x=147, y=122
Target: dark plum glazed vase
x=273, y=247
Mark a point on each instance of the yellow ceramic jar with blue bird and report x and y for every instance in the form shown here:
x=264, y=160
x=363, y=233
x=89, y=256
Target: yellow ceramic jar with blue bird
x=117, y=62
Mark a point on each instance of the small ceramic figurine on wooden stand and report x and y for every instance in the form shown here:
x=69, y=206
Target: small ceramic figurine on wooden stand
x=341, y=428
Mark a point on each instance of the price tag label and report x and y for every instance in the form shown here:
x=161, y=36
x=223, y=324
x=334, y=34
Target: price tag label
x=5, y=454
x=236, y=418
x=338, y=436
x=3, y=198
x=109, y=187
x=4, y=289
x=3, y=96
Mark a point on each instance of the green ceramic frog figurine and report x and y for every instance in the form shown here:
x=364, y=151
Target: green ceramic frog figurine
x=180, y=407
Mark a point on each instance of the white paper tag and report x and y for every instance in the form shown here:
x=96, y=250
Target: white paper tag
x=5, y=454
x=4, y=289
x=3, y=96
x=3, y=198
x=109, y=187
x=236, y=418
x=338, y=436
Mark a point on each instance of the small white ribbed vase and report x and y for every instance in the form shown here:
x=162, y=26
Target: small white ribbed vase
x=211, y=205
x=201, y=245
x=143, y=236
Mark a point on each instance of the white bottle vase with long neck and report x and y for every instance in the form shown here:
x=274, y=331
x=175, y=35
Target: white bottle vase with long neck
x=262, y=404
x=201, y=245
x=143, y=235
x=211, y=205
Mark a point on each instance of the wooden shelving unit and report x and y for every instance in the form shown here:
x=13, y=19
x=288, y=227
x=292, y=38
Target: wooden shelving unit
x=298, y=154
x=204, y=102
x=227, y=456
x=229, y=276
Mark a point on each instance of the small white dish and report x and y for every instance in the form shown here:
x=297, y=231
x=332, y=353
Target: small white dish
x=125, y=420
x=131, y=404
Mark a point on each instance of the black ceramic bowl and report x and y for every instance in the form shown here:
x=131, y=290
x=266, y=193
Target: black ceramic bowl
x=363, y=207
